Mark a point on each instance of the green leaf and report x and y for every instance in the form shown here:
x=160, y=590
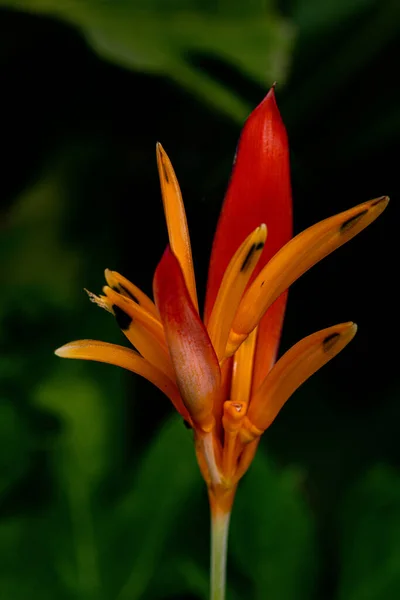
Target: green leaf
x=341, y=31
x=38, y=264
x=142, y=522
x=81, y=457
x=159, y=38
x=27, y=567
x=272, y=533
x=370, y=537
x=83, y=409
x=15, y=444
x=315, y=16
x=181, y=576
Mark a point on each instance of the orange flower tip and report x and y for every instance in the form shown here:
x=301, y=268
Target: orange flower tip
x=261, y=234
x=78, y=348
x=160, y=150
x=161, y=154
x=380, y=200
x=369, y=211
x=234, y=413
x=112, y=280
x=234, y=342
x=114, y=283
x=119, y=284
x=344, y=333
x=64, y=351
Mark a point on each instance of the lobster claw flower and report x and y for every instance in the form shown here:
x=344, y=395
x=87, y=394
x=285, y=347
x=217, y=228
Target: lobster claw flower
x=220, y=371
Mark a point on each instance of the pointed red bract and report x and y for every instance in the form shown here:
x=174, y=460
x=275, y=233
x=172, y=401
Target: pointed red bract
x=193, y=357
x=259, y=192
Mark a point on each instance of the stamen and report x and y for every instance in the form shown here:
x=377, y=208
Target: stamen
x=175, y=216
x=101, y=301
x=234, y=282
x=296, y=257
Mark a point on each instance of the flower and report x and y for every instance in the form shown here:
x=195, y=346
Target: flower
x=221, y=373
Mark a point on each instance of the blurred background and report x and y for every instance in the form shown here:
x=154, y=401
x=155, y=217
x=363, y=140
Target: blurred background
x=100, y=496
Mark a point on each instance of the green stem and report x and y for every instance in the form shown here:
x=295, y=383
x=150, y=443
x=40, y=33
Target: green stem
x=219, y=547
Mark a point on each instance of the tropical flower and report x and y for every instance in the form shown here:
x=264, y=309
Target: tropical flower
x=220, y=371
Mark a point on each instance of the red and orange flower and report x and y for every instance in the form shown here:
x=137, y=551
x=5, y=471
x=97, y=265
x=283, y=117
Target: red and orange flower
x=220, y=371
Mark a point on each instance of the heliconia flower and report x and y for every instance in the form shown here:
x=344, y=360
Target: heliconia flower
x=220, y=372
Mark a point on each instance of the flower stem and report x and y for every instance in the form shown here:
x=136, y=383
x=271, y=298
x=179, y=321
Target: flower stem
x=219, y=547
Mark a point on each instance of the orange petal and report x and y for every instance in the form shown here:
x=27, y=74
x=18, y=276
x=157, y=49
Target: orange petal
x=242, y=373
x=129, y=290
x=142, y=329
x=175, y=215
x=194, y=359
x=295, y=366
x=234, y=282
x=127, y=359
x=296, y=257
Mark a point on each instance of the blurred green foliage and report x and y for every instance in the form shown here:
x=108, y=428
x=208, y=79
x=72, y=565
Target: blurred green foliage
x=100, y=495
x=158, y=37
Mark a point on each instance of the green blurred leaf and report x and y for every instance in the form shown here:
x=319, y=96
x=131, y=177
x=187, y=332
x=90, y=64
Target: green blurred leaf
x=38, y=264
x=314, y=16
x=338, y=40
x=142, y=522
x=15, y=445
x=83, y=409
x=27, y=567
x=370, y=538
x=159, y=38
x=272, y=534
x=82, y=457
x=180, y=576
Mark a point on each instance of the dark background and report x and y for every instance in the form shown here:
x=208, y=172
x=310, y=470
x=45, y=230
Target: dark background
x=100, y=497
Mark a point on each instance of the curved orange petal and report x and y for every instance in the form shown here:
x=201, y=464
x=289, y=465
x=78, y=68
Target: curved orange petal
x=294, y=259
x=175, y=215
x=121, y=284
x=193, y=357
x=144, y=331
x=291, y=370
x=234, y=282
x=127, y=359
